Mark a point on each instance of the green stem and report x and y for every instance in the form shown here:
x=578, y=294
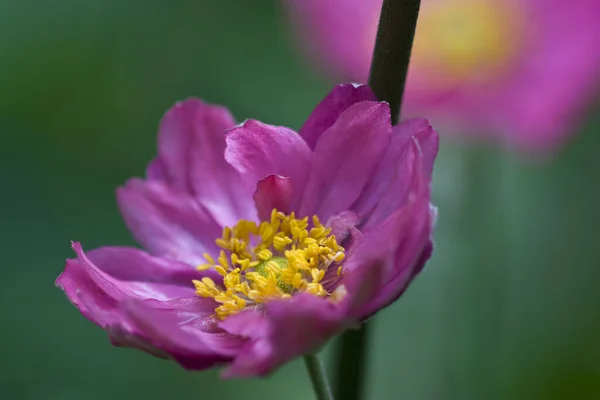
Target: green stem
x=317, y=377
x=389, y=68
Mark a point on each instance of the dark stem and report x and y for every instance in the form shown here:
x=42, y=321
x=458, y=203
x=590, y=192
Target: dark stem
x=317, y=377
x=393, y=46
x=351, y=360
x=389, y=67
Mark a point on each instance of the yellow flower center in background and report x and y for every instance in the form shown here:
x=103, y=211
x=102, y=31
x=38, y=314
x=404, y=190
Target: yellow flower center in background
x=271, y=260
x=461, y=39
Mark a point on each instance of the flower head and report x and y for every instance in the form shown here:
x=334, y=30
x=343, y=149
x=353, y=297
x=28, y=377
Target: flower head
x=263, y=242
x=520, y=71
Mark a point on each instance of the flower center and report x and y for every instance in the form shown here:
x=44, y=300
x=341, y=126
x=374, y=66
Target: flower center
x=271, y=260
x=463, y=39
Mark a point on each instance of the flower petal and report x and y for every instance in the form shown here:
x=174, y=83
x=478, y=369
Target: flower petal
x=394, y=253
x=345, y=158
x=392, y=289
x=257, y=150
x=396, y=248
x=110, y=275
x=425, y=136
x=129, y=293
x=413, y=250
x=183, y=330
x=412, y=140
x=331, y=107
x=168, y=223
x=341, y=224
x=287, y=329
x=274, y=191
x=191, y=145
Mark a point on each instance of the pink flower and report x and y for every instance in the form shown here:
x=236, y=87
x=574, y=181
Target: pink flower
x=522, y=72
x=276, y=285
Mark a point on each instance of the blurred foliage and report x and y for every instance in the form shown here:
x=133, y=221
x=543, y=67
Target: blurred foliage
x=507, y=309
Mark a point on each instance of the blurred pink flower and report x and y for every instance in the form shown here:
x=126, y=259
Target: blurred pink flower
x=520, y=71
x=275, y=286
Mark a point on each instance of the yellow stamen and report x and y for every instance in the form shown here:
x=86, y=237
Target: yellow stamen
x=209, y=258
x=271, y=260
x=220, y=270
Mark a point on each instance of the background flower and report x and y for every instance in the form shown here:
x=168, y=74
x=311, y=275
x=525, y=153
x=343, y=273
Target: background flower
x=523, y=72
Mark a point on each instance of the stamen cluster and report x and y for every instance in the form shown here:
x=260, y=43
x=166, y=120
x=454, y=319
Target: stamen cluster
x=271, y=260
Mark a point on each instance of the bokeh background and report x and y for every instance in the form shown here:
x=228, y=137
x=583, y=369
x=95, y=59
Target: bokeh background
x=508, y=308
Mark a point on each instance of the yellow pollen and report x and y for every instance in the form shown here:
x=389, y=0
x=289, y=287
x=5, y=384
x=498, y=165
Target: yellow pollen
x=204, y=267
x=271, y=260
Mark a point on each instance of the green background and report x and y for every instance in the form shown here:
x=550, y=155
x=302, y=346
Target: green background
x=506, y=309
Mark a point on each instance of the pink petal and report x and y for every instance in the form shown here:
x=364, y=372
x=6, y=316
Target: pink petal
x=119, y=273
x=345, y=158
x=257, y=150
x=331, y=107
x=183, y=330
x=341, y=224
x=130, y=293
x=156, y=171
x=168, y=223
x=425, y=136
x=285, y=330
x=413, y=149
x=396, y=285
x=110, y=275
x=413, y=249
x=396, y=248
x=191, y=145
x=274, y=191
x=376, y=249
